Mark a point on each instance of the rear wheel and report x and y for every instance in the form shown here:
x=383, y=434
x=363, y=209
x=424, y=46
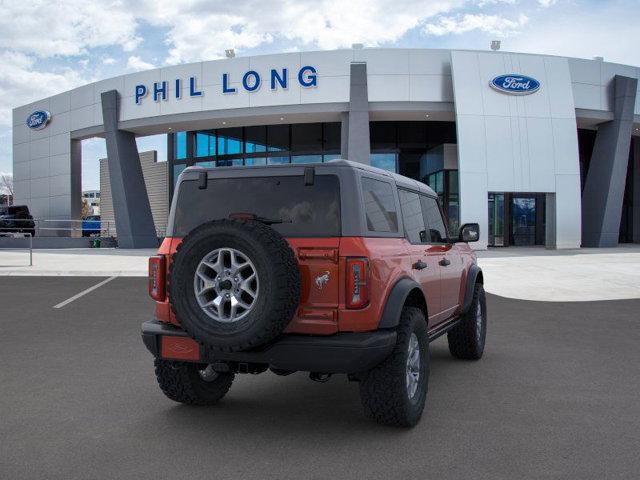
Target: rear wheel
x=192, y=383
x=395, y=392
x=466, y=340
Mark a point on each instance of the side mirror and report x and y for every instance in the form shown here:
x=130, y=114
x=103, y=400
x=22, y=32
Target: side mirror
x=469, y=232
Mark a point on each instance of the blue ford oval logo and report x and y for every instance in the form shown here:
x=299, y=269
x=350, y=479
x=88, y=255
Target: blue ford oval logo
x=515, y=84
x=38, y=119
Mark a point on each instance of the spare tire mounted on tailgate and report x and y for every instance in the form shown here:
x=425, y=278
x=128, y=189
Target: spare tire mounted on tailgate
x=234, y=284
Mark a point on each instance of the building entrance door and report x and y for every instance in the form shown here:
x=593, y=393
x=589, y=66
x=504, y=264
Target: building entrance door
x=496, y=220
x=523, y=220
x=516, y=219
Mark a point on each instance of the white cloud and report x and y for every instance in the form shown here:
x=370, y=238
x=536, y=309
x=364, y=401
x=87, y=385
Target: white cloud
x=547, y=3
x=108, y=61
x=71, y=27
x=136, y=63
x=587, y=37
x=325, y=24
x=21, y=83
x=491, y=24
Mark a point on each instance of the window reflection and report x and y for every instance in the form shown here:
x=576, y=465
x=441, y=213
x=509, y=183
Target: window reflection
x=205, y=144
x=255, y=139
x=259, y=145
x=229, y=141
x=385, y=161
x=177, y=170
x=278, y=138
x=306, y=159
x=180, y=146
x=277, y=160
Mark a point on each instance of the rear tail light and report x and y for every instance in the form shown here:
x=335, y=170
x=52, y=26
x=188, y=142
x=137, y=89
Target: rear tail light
x=157, y=278
x=357, y=282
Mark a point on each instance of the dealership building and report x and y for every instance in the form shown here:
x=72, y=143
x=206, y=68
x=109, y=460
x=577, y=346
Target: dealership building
x=539, y=150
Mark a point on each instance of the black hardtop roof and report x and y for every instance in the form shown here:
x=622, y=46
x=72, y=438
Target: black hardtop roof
x=227, y=172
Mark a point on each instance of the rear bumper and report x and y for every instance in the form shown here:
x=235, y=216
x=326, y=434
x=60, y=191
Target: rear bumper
x=339, y=353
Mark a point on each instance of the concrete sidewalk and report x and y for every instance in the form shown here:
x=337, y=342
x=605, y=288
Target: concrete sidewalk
x=86, y=262
x=585, y=274
x=521, y=273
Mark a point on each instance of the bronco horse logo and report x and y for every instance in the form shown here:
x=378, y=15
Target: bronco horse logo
x=322, y=280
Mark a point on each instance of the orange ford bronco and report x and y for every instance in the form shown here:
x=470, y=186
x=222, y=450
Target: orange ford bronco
x=326, y=268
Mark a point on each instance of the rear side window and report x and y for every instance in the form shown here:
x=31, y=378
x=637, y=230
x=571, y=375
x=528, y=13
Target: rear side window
x=379, y=206
x=412, y=216
x=305, y=211
x=433, y=220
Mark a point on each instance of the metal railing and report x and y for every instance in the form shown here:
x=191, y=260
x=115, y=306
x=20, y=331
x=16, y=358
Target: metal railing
x=21, y=235
x=73, y=228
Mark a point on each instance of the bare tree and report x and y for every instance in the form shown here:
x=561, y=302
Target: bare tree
x=86, y=208
x=6, y=186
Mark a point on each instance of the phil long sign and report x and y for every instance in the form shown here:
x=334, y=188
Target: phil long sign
x=515, y=84
x=250, y=81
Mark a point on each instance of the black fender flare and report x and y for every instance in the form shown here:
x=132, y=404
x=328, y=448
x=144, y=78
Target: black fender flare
x=396, y=300
x=472, y=278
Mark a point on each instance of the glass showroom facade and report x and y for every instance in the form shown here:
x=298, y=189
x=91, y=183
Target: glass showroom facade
x=413, y=149
x=400, y=147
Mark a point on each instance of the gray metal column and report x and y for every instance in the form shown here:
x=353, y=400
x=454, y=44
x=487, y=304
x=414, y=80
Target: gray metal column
x=550, y=223
x=131, y=209
x=604, y=186
x=358, y=145
x=636, y=190
x=76, y=183
x=344, y=135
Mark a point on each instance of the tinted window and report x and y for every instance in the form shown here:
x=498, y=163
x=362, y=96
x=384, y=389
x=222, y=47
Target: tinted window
x=433, y=220
x=332, y=136
x=255, y=139
x=306, y=211
x=380, y=207
x=205, y=144
x=306, y=137
x=229, y=141
x=278, y=138
x=385, y=161
x=180, y=146
x=412, y=216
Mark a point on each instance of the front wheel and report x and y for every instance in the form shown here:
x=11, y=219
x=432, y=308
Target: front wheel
x=466, y=340
x=395, y=392
x=192, y=383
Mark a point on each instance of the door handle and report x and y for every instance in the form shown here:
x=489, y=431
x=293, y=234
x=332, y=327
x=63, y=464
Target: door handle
x=420, y=265
x=444, y=262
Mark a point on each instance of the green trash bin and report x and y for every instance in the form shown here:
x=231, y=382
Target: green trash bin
x=95, y=243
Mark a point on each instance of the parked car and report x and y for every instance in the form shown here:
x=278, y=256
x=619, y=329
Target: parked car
x=91, y=225
x=334, y=268
x=17, y=219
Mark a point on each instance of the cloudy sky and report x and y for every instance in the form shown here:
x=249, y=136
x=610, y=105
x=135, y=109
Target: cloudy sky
x=47, y=47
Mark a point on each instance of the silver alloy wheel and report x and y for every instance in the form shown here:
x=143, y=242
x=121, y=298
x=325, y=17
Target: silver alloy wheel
x=413, y=365
x=226, y=285
x=208, y=374
x=479, y=320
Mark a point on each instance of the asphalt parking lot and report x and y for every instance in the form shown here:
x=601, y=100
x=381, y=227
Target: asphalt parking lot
x=555, y=396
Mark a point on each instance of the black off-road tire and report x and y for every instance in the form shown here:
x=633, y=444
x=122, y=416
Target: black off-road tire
x=383, y=390
x=279, y=291
x=181, y=382
x=466, y=340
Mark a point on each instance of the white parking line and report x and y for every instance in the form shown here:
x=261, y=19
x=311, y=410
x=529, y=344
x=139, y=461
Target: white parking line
x=83, y=293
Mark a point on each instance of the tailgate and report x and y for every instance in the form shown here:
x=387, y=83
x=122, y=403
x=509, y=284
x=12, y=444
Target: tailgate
x=318, y=260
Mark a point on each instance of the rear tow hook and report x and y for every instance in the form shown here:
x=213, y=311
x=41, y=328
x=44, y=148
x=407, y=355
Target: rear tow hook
x=320, y=377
